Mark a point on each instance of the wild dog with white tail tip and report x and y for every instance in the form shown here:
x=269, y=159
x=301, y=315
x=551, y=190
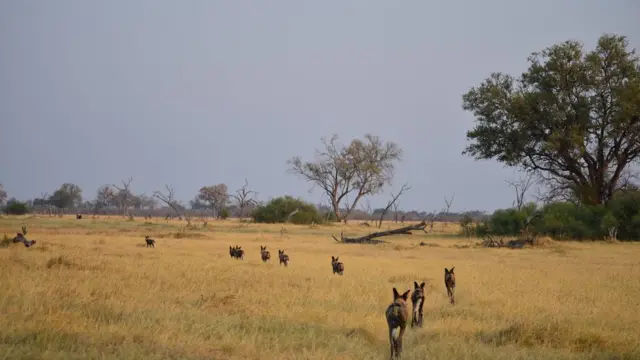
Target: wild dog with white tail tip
x=397, y=315
x=450, y=283
x=417, y=299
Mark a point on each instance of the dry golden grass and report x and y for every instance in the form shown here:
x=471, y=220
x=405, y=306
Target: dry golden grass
x=89, y=289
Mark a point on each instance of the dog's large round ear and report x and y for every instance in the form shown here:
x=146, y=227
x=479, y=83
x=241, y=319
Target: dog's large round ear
x=405, y=296
x=395, y=294
x=422, y=285
x=451, y=271
x=415, y=284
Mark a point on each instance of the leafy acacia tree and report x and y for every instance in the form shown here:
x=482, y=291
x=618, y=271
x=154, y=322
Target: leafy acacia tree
x=361, y=169
x=217, y=196
x=572, y=117
x=67, y=196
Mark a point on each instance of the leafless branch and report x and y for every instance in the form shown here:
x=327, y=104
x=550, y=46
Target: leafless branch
x=392, y=202
x=521, y=186
x=168, y=198
x=244, y=197
x=124, y=193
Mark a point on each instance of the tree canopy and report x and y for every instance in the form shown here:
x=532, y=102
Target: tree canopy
x=363, y=168
x=216, y=195
x=572, y=118
x=67, y=196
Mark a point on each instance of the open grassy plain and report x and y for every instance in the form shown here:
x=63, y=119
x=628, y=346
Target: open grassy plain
x=89, y=289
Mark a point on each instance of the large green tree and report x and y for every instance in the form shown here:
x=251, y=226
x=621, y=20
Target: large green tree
x=572, y=117
x=67, y=196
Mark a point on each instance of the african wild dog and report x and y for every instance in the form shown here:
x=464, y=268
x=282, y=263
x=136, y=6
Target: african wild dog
x=284, y=258
x=338, y=267
x=450, y=283
x=79, y=216
x=397, y=315
x=150, y=242
x=264, y=254
x=236, y=252
x=19, y=238
x=417, y=299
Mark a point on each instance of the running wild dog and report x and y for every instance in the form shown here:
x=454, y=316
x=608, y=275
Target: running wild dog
x=264, y=254
x=417, y=299
x=284, y=258
x=338, y=267
x=397, y=315
x=450, y=283
x=236, y=252
x=150, y=242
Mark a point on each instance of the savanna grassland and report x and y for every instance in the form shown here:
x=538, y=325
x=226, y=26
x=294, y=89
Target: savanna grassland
x=89, y=289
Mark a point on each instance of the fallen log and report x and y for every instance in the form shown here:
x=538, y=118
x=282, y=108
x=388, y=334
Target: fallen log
x=371, y=238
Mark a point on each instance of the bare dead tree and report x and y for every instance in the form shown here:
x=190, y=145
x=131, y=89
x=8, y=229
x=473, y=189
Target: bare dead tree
x=521, y=186
x=448, y=203
x=168, y=198
x=445, y=211
x=124, y=195
x=394, y=198
x=244, y=197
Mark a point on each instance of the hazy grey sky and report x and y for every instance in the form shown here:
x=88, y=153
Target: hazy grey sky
x=194, y=93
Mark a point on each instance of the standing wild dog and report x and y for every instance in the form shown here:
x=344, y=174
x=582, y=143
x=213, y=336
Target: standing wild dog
x=264, y=254
x=397, y=315
x=150, y=241
x=238, y=252
x=450, y=283
x=417, y=299
x=284, y=258
x=338, y=267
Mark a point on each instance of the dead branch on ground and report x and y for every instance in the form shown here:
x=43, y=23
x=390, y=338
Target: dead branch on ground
x=371, y=238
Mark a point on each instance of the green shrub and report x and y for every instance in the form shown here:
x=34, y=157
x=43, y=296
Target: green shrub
x=625, y=207
x=278, y=209
x=15, y=207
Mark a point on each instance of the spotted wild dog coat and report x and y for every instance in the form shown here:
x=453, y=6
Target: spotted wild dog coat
x=397, y=315
x=450, y=284
x=338, y=267
x=417, y=299
x=284, y=258
x=264, y=254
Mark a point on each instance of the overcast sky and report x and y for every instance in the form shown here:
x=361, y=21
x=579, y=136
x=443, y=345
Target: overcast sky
x=194, y=93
